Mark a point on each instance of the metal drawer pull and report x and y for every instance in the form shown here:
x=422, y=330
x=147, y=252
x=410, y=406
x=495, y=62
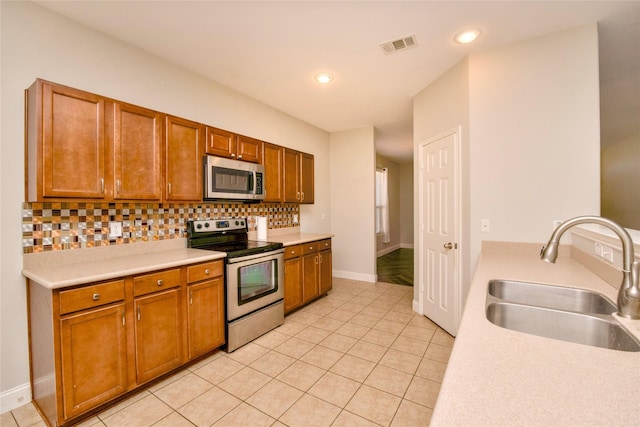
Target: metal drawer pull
x=138, y=312
x=160, y=282
x=206, y=272
x=95, y=297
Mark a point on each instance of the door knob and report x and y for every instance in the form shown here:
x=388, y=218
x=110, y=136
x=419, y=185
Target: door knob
x=448, y=245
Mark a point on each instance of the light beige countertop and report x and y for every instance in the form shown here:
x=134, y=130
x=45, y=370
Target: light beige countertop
x=499, y=377
x=77, y=267
x=299, y=238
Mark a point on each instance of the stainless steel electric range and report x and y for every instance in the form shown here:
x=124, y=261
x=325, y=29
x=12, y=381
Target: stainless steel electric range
x=254, y=277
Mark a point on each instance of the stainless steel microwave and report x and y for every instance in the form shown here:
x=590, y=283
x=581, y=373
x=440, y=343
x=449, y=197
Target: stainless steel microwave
x=227, y=179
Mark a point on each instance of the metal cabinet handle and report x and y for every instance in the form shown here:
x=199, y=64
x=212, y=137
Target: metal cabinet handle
x=206, y=272
x=191, y=297
x=302, y=196
x=233, y=155
x=122, y=317
x=102, y=185
x=169, y=189
x=160, y=282
x=138, y=312
x=239, y=156
x=298, y=195
x=95, y=297
x=118, y=186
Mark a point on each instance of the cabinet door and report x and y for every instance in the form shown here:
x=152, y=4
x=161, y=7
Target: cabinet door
x=220, y=143
x=326, y=271
x=158, y=334
x=310, y=288
x=249, y=149
x=306, y=178
x=273, y=168
x=136, y=152
x=183, y=160
x=291, y=176
x=292, y=284
x=94, y=358
x=206, y=316
x=73, y=143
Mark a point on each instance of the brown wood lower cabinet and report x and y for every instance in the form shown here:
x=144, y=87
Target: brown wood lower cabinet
x=158, y=334
x=307, y=273
x=94, y=343
x=94, y=358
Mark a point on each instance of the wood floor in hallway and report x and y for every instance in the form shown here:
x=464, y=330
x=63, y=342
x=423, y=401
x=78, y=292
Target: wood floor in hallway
x=396, y=267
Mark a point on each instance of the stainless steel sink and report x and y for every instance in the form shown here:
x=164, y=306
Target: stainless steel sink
x=580, y=328
x=559, y=297
x=557, y=312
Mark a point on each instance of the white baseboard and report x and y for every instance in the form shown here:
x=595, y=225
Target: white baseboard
x=15, y=397
x=416, y=307
x=406, y=245
x=387, y=250
x=371, y=278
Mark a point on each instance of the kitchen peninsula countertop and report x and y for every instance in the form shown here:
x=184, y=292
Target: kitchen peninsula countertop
x=497, y=376
x=77, y=267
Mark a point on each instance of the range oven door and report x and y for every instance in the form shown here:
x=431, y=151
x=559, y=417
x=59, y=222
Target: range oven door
x=253, y=282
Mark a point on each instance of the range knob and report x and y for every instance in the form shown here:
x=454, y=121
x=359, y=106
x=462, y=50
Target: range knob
x=206, y=225
x=237, y=222
x=198, y=226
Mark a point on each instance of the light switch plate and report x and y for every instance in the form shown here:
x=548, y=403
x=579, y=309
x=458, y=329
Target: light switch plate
x=115, y=229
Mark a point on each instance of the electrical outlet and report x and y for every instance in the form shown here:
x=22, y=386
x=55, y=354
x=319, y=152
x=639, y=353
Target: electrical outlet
x=598, y=249
x=115, y=229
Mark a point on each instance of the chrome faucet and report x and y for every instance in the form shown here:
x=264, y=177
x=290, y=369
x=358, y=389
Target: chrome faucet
x=629, y=293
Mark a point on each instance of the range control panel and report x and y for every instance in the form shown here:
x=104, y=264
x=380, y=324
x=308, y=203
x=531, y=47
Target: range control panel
x=209, y=225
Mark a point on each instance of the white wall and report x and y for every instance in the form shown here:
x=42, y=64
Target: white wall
x=529, y=114
x=406, y=205
x=353, y=204
x=39, y=43
x=535, y=136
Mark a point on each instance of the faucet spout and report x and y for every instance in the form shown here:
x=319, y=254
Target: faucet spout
x=629, y=293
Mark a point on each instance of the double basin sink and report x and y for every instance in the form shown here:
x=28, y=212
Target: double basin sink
x=562, y=313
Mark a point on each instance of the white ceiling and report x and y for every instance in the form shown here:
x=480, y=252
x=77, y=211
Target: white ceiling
x=271, y=50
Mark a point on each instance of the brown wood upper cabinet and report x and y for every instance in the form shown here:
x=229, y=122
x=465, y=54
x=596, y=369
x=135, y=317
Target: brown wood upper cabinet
x=84, y=146
x=183, y=159
x=273, y=159
x=227, y=144
x=298, y=180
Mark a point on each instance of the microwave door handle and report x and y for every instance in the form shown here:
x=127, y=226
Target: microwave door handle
x=255, y=182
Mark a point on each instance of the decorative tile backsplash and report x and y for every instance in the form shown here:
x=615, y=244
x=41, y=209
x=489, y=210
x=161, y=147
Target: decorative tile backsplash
x=74, y=225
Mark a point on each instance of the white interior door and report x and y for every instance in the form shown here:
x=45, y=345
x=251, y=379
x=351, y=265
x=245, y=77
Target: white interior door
x=438, y=262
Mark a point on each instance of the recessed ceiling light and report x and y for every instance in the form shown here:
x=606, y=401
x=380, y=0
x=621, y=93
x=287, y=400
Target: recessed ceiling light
x=324, y=77
x=467, y=36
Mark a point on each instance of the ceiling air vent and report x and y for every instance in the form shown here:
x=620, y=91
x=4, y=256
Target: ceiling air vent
x=400, y=44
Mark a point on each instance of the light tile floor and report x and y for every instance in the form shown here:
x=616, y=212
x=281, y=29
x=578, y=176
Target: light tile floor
x=358, y=357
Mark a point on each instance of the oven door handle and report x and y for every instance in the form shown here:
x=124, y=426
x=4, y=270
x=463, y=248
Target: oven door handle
x=266, y=254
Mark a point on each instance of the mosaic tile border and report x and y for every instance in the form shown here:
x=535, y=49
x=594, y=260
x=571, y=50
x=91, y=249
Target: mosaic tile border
x=74, y=225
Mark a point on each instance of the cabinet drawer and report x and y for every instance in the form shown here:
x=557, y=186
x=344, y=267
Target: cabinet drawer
x=323, y=245
x=91, y=296
x=308, y=248
x=207, y=270
x=292, y=252
x=156, y=282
